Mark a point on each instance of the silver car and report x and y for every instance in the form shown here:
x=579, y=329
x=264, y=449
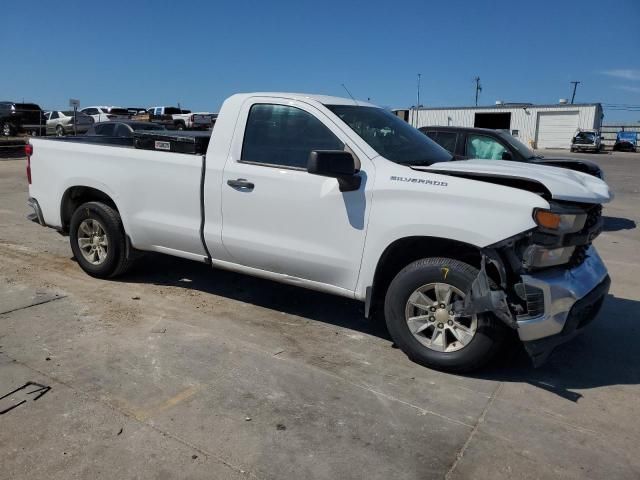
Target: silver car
x=61, y=123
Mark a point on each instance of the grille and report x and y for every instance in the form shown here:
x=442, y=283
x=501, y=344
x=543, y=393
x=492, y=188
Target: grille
x=535, y=301
x=580, y=253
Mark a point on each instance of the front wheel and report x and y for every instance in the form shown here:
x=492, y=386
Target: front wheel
x=98, y=240
x=59, y=131
x=421, y=311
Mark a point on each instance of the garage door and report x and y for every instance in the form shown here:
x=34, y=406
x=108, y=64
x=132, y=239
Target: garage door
x=555, y=129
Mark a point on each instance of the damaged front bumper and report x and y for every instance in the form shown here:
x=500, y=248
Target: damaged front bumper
x=570, y=300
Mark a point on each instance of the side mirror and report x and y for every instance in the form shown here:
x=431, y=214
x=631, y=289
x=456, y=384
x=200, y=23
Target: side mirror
x=336, y=164
x=507, y=155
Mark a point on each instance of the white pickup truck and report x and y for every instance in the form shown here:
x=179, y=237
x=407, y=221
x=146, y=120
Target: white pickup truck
x=184, y=119
x=342, y=196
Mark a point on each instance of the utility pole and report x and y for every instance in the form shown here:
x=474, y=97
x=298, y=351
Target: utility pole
x=478, y=88
x=575, y=85
x=418, y=99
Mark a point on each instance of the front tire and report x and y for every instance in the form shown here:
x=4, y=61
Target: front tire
x=420, y=310
x=59, y=131
x=98, y=240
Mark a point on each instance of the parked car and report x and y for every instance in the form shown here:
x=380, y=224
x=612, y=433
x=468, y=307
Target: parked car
x=21, y=118
x=122, y=128
x=487, y=144
x=586, y=141
x=136, y=110
x=626, y=141
x=184, y=119
x=344, y=197
x=104, y=114
x=61, y=123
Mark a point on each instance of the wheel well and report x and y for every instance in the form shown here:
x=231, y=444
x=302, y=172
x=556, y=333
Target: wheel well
x=407, y=250
x=76, y=196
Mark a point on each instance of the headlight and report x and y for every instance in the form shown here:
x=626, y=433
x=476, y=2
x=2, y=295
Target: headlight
x=536, y=256
x=559, y=222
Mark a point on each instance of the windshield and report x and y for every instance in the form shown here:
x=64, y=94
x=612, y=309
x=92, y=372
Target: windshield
x=520, y=147
x=390, y=136
x=590, y=136
x=627, y=136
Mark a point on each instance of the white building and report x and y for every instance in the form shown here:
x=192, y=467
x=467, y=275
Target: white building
x=540, y=126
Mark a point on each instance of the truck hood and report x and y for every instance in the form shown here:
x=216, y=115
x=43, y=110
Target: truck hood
x=578, y=164
x=561, y=183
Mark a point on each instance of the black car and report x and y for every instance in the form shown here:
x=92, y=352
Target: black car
x=21, y=118
x=483, y=143
x=122, y=128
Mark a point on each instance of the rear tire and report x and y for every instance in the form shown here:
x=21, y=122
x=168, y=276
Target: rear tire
x=456, y=349
x=181, y=126
x=98, y=240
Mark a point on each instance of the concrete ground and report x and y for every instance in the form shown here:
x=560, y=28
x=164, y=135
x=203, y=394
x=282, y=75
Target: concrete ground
x=179, y=371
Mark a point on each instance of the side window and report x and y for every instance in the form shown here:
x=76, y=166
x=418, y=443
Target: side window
x=447, y=140
x=54, y=115
x=432, y=135
x=105, y=129
x=91, y=111
x=480, y=146
x=284, y=136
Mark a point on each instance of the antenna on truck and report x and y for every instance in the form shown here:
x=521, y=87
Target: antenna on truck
x=347, y=90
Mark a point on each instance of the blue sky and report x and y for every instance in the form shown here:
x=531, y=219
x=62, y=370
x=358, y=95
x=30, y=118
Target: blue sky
x=143, y=53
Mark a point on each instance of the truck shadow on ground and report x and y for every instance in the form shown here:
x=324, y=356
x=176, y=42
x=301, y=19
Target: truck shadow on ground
x=171, y=271
x=615, y=224
x=605, y=354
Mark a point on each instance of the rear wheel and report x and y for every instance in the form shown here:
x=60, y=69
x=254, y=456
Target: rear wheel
x=422, y=308
x=181, y=126
x=98, y=240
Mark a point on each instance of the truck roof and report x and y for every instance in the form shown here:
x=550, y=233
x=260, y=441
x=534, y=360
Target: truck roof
x=323, y=99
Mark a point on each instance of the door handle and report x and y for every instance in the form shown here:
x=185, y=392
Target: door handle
x=241, y=184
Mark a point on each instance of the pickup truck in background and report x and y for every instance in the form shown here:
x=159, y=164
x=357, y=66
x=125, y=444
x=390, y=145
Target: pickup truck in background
x=586, y=141
x=21, y=118
x=182, y=119
x=344, y=197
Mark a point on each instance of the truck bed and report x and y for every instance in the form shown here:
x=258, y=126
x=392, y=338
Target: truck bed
x=158, y=192
x=194, y=143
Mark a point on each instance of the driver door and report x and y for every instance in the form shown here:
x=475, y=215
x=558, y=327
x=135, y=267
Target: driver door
x=279, y=218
